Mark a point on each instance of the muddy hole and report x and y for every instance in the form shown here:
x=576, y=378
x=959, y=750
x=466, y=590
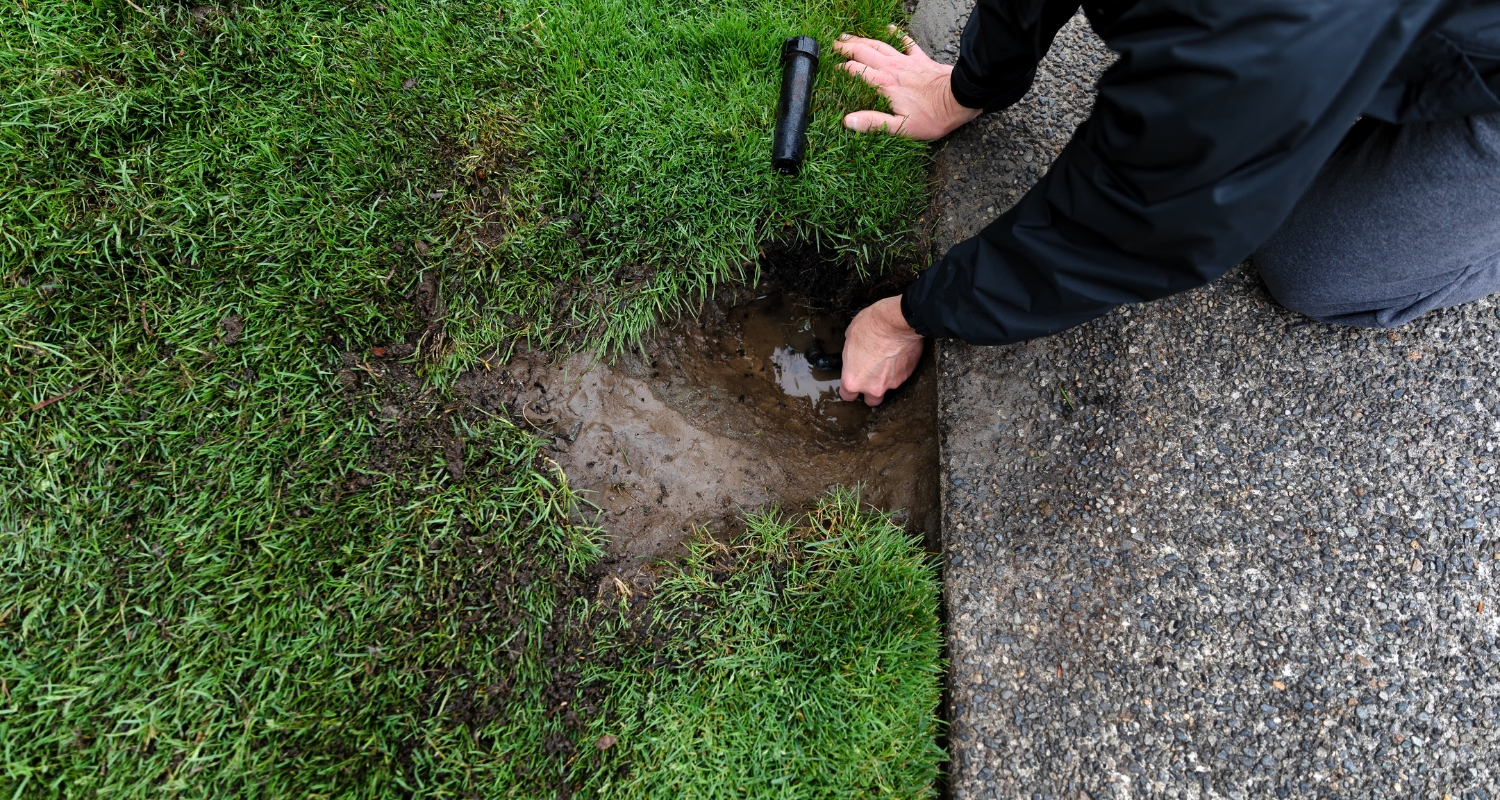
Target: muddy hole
x=721, y=415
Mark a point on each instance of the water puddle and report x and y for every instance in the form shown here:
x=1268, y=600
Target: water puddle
x=798, y=379
x=771, y=337
x=721, y=415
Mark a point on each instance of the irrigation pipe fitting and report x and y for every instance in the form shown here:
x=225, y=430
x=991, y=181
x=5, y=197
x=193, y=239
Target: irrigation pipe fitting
x=799, y=62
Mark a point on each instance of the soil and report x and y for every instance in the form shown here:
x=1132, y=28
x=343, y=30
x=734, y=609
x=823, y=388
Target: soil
x=720, y=416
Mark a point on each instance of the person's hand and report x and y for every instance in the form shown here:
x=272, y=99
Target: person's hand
x=880, y=352
x=919, y=89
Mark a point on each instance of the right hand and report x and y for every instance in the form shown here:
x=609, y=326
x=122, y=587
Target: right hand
x=920, y=89
x=880, y=352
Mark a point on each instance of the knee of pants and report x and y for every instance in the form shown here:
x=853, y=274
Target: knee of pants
x=1287, y=281
x=1299, y=287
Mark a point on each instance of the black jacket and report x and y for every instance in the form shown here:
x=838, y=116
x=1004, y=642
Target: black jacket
x=1214, y=120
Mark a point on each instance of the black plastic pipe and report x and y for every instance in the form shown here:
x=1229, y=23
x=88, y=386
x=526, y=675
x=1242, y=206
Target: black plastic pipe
x=799, y=62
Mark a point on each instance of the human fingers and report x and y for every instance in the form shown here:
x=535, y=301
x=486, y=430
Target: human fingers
x=872, y=52
x=846, y=44
x=852, y=381
x=878, y=45
x=849, y=385
x=875, y=122
x=913, y=49
x=874, y=77
x=849, y=381
x=907, y=43
x=849, y=391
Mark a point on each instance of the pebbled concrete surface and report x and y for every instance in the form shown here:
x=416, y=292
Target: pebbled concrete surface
x=1203, y=547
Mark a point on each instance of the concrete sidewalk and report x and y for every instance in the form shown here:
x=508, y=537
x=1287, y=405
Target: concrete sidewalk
x=1202, y=547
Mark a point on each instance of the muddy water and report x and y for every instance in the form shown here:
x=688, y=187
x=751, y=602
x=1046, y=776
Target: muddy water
x=769, y=337
x=723, y=415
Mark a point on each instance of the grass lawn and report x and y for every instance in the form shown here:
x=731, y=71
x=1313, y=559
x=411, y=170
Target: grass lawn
x=224, y=571
x=811, y=670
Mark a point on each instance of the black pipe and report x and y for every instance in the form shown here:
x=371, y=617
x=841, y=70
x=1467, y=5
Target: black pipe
x=799, y=62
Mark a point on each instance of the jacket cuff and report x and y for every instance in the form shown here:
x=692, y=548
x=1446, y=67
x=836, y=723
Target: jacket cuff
x=969, y=94
x=910, y=316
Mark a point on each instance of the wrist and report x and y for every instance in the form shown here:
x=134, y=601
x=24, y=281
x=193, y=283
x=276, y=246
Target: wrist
x=909, y=314
x=893, y=320
x=954, y=109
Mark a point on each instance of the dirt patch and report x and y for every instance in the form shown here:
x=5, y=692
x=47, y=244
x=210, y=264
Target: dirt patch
x=231, y=328
x=720, y=416
x=430, y=310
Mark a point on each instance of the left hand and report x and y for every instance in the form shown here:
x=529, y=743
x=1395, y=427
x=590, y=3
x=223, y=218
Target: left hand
x=920, y=89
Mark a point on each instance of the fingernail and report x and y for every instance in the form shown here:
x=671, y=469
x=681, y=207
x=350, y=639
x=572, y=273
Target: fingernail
x=843, y=36
x=849, y=121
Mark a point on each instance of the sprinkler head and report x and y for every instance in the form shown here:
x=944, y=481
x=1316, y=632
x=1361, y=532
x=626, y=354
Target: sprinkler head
x=799, y=63
x=824, y=362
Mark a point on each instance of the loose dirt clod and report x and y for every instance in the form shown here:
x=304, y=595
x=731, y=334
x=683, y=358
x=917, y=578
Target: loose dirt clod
x=721, y=415
x=232, y=327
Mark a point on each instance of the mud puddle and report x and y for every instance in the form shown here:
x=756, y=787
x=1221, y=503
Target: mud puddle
x=723, y=415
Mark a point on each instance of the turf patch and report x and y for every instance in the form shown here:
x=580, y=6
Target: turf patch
x=248, y=544
x=801, y=662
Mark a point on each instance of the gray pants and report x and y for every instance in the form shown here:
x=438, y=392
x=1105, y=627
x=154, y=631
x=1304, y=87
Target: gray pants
x=1402, y=220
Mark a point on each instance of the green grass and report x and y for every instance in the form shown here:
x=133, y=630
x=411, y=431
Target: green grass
x=643, y=166
x=804, y=662
x=221, y=571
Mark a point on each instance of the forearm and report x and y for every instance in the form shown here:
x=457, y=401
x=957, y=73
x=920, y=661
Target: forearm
x=1066, y=254
x=1002, y=44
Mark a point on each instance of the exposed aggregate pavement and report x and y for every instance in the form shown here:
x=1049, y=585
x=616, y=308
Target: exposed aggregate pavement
x=1204, y=547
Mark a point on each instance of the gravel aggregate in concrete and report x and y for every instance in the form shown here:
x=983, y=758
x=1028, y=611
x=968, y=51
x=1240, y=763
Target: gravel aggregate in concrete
x=1204, y=547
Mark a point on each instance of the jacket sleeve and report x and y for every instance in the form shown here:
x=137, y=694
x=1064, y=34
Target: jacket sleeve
x=1214, y=120
x=1002, y=43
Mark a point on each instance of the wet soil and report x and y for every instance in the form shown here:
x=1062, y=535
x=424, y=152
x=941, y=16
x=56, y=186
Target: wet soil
x=719, y=416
